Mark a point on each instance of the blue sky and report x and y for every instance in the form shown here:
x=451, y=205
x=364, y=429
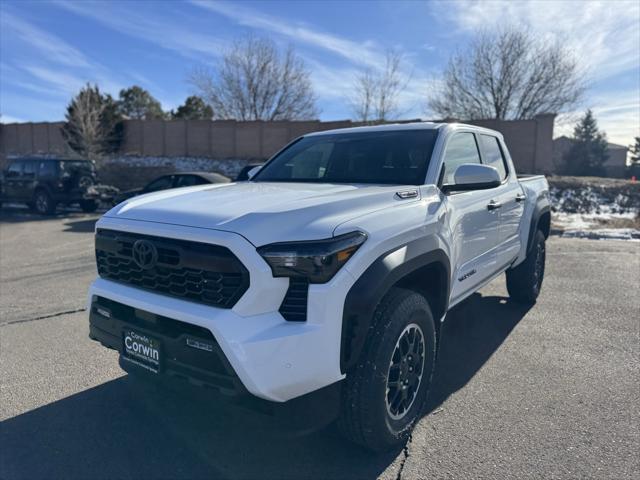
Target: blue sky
x=49, y=49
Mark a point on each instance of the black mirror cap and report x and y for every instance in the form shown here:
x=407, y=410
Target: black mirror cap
x=467, y=187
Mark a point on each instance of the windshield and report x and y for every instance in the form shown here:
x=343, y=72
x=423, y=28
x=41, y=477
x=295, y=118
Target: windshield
x=390, y=157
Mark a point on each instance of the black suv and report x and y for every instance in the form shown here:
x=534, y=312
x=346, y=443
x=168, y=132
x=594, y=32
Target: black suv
x=43, y=183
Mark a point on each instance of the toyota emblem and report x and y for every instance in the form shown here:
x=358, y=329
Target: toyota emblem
x=145, y=254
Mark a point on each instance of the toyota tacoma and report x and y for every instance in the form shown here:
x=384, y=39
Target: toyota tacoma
x=320, y=285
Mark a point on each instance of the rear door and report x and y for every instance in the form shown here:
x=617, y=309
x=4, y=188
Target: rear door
x=474, y=227
x=510, y=196
x=29, y=179
x=12, y=180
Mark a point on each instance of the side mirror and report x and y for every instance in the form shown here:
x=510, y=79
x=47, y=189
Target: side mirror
x=252, y=173
x=473, y=176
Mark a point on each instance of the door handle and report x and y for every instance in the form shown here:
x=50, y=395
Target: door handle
x=493, y=205
x=520, y=197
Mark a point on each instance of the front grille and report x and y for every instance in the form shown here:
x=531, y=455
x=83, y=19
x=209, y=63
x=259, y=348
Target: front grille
x=195, y=271
x=294, y=304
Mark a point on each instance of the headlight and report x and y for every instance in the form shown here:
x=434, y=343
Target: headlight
x=317, y=260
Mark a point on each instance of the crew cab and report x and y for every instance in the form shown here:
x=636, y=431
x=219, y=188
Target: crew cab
x=320, y=285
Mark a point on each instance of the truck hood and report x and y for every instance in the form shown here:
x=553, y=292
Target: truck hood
x=262, y=212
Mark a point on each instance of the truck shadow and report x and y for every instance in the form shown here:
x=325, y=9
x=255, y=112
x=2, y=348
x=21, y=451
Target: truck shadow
x=123, y=430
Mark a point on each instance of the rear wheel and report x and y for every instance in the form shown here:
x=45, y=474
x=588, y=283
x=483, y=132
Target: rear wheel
x=525, y=281
x=385, y=394
x=89, y=206
x=43, y=203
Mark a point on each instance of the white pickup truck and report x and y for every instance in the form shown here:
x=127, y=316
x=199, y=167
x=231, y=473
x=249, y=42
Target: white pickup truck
x=321, y=284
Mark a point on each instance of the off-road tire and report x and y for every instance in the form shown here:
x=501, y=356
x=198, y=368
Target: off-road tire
x=89, y=206
x=365, y=417
x=525, y=281
x=43, y=203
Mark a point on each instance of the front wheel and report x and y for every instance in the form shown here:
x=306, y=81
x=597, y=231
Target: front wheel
x=385, y=394
x=525, y=281
x=43, y=203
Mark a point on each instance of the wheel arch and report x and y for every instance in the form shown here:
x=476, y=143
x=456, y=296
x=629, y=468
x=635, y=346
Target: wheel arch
x=540, y=220
x=426, y=272
x=41, y=188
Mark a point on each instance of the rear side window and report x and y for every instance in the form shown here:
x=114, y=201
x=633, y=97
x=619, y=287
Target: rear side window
x=162, y=183
x=14, y=170
x=30, y=168
x=190, y=180
x=461, y=149
x=492, y=154
x=47, y=169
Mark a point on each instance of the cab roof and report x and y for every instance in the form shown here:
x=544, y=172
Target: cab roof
x=390, y=127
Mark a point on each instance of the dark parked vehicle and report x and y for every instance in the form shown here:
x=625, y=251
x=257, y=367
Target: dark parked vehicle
x=44, y=183
x=243, y=176
x=174, y=180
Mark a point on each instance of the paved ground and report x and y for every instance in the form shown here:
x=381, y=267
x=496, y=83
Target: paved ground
x=549, y=392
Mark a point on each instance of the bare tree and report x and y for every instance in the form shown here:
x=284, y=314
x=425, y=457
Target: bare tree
x=93, y=126
x=255, y=81
x=376, y=92
x=508, y=75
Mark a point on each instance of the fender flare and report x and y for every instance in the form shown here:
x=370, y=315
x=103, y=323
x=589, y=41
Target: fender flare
x=541, y=208
x=365, y=294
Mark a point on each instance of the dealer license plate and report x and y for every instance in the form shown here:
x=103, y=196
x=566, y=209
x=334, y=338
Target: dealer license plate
x=141, y=349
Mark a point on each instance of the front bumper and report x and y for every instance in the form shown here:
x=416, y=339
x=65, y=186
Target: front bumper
x=205, y=366
x=262, y=353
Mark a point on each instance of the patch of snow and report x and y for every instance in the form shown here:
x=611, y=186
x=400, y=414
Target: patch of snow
x=589, y=200
x=604, y=234
x=229, y=167
x=581, y=212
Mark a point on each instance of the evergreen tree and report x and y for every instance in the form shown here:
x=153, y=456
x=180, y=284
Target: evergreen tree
x=93, y=126
x=589, y=150
x=137, y=103
x=194, y=108
x=635, y=152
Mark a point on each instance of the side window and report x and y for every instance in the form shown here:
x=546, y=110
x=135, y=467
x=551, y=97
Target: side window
x=189, y=181
x=492, y=154
x=47, y=169
x=14, y=170
x=29, y=170
x=461, y=149
x=162, y=183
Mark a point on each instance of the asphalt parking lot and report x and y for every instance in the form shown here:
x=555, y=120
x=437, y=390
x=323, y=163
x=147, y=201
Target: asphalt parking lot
x=553, y=391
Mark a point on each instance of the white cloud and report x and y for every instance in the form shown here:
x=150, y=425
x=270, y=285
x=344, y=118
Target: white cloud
x=364, y=53
x=164, y=33
x=604, y=35
x=617, y=113
x=54, y=67
x=9, y=119
x=50, y=46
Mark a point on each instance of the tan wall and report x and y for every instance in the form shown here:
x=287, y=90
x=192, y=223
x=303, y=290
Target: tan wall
x=529, y=141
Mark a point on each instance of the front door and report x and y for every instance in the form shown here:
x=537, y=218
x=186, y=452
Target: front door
x=474, y=223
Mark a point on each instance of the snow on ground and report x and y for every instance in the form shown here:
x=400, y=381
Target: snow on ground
x=229, y=167
x=594, y=212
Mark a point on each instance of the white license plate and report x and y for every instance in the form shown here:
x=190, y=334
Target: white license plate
x=141, y=349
